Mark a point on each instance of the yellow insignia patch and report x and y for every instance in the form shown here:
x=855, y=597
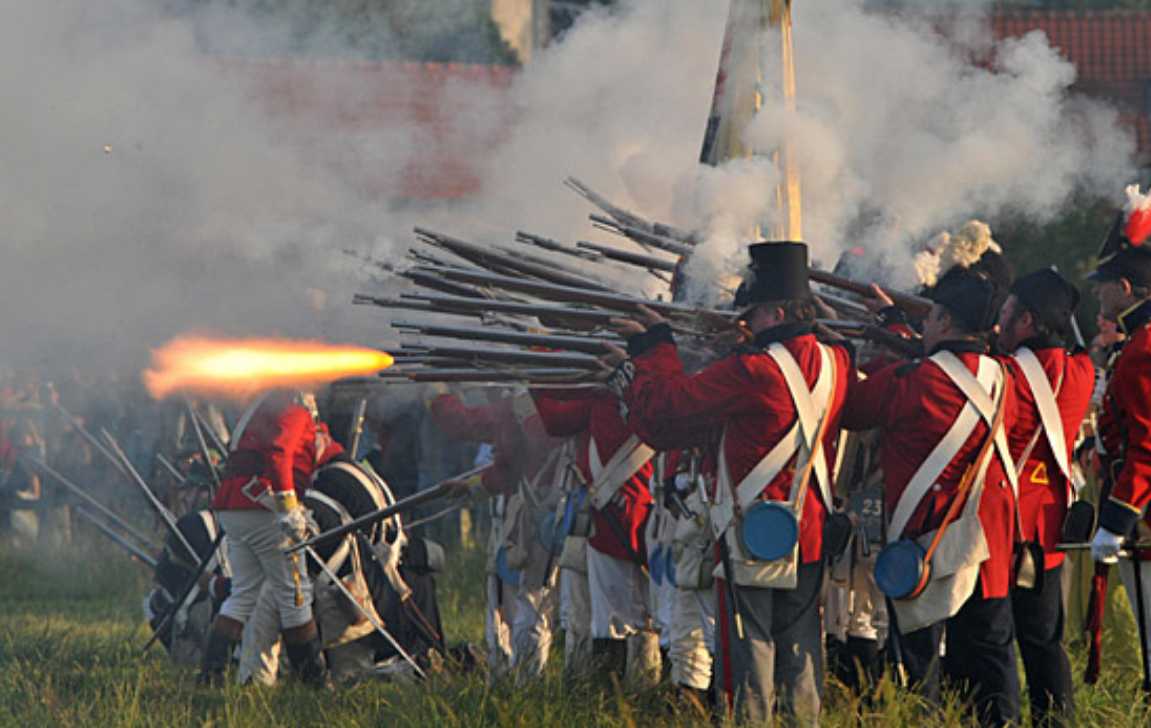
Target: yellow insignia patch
x=1039, y=474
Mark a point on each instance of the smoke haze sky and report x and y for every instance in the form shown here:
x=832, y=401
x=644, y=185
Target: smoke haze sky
x=148, y=191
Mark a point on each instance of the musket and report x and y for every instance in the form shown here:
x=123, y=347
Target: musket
x=918, y=306
x=100, y=507
x=566, y=316
x=604, y=299
x=545, y=263
x=403, y=505
x=363, y=610
x=854, y=329
x=189, y=587
x=134, y=550
x=845, y=305
x=165, y=515
x=91, y=439
x=520, y=357
x=487, y=258
x=356, y=430
x=202, y=443
x=172, y=469
x=533, y=376
x=644, y=238
x=586, y=344
x=627, y=217
x=626, y=256
x=555, y=247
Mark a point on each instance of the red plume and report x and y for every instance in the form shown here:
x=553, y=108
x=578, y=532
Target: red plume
x=1138, y=225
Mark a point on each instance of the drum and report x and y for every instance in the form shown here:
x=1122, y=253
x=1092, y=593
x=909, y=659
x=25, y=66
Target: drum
x=769, y=530
x=901, y=569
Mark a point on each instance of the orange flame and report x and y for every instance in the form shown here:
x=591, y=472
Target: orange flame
x=239, y=367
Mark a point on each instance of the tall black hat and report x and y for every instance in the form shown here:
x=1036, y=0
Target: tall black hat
x=969, y=297
x=1049, y=296
x=778, y=272
x=1126, y=251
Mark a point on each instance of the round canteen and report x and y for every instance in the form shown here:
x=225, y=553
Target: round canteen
x=899, y=568
x=769, y=531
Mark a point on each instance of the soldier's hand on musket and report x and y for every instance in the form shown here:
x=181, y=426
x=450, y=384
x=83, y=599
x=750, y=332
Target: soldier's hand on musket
x=613, y=358
x=878, y=300
x=644, y=319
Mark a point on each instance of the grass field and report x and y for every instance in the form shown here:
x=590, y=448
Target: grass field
x=71, y=633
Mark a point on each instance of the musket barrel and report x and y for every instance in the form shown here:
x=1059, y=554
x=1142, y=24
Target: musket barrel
x=913, y=304
x=486, y=257
x=626, y=256
x=586, y=344
x=404, y=504
x=641, y=236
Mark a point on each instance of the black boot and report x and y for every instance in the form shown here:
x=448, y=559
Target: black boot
x=307, y=660
x=864, y=664
x=609, y=657
x=217, y=655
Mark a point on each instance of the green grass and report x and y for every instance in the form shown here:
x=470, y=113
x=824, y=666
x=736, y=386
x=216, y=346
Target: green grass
x=71, y=633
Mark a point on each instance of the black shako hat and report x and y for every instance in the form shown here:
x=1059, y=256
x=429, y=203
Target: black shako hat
x=778, y=272
x=970, y=298
x=1126, y=251
x=1049, y=296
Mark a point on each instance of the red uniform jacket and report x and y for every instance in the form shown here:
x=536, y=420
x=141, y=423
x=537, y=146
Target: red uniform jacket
x=744, y=393
x=1043, y=489
x=281, y=446
x=520, y=442
x=914, y=405
x=596, y=413
x=1125, y=425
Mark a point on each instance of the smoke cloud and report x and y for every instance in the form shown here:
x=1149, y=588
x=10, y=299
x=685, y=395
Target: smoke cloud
x=151, y=189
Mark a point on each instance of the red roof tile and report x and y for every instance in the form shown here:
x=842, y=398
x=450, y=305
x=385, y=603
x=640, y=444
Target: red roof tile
x=1111, y=51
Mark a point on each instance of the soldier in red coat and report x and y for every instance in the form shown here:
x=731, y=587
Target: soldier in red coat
x=1053, y=388
x=1123, y=286
x=768, y=415
x=935, y=416
x=277, y=447
x=615, y=467
x=520, y=618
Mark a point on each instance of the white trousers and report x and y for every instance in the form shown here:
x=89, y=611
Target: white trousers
x=255, y=551
x=618, y=589
x=692, y=637
x=532, y=629
x=575, y=619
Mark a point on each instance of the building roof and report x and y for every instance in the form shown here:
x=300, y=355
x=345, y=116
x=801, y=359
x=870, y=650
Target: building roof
x=435, y=109
x=1110, y=49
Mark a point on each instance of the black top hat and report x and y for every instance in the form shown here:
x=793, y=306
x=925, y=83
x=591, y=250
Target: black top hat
x=1126, y=251
x=778, y=272
x=1049, y=296
x=969, y=297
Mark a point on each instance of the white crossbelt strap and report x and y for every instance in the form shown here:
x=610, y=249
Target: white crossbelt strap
x=811, y=406
x=608, y=478
x=945, y=450
x=978, y=394
x=341, y=554
x=800, y=438
x=1049, y=417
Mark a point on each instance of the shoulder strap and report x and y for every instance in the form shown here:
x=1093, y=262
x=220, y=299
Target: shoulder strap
x=981, y=395
x=943, y=453
x=608, y=477
x=811, y=407
x=800, y=438
x=1045, y=400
